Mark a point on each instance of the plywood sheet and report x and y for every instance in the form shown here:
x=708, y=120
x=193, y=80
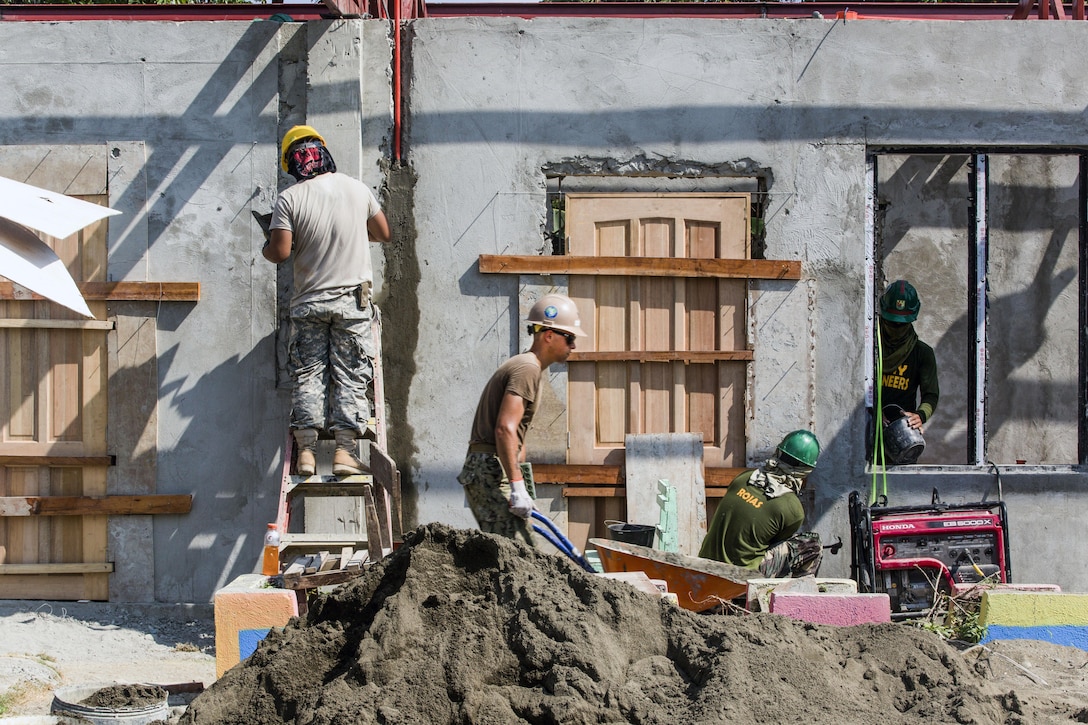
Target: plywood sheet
x=677, y=458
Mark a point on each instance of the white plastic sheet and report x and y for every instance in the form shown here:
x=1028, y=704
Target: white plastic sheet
x=27, y=260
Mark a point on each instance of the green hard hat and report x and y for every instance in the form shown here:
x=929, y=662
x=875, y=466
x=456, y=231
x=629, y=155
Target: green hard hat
x=900, y=302
x=799, y=447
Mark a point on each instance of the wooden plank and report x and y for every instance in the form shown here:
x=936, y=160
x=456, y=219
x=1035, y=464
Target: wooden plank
x=118, y=291
x=581, y=518
x=56, y=587
x=567, y=473
x=57, y=324
x=321, y=579
x=312, y=562
x=621, y=492
x=296, y=568
x=81, y=461
x=373, y=543
x=385, y=475
x=90, y=505
x=721, y=476
x=102, y=567
x=345, y=557
x=575, y=474
x=357, y=560
x=641, y=266
x=328, y=562
x=595, y=492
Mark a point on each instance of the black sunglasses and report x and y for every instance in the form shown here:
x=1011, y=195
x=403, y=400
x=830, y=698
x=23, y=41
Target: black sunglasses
x=566, y=336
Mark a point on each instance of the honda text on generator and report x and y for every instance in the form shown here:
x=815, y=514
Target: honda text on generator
x=911, y=552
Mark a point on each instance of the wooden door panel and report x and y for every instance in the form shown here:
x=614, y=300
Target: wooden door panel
x=658, y=314
x=53, y=403
x=612, y=387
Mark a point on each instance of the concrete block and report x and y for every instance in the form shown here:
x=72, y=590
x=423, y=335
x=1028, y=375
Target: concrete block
x=639, y=580
x=839, y=609
x=759, y=590
x=245, y=611
x=1046, y=616
x=976, y=590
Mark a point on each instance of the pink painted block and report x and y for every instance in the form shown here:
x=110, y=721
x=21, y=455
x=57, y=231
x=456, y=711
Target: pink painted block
x=842, y=610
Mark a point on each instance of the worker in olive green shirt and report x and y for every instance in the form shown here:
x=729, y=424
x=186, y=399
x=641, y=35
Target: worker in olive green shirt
x=755, y=525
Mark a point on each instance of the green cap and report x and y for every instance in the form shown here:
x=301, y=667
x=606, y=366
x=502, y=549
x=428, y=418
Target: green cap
x=900, y=302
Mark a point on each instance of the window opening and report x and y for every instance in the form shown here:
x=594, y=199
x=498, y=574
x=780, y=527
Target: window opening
x=994, y=244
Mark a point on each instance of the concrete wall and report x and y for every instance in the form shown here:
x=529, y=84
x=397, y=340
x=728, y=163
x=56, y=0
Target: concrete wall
x=493, y=106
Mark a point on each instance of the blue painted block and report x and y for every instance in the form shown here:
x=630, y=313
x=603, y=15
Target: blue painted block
x=248, y=640
x=1070, y=635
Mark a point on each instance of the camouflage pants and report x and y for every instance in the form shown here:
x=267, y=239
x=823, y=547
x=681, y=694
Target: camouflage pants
x=796, y=557
x=487, y=490
x=331, y=358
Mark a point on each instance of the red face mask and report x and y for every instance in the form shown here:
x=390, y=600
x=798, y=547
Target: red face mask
x=309, y=159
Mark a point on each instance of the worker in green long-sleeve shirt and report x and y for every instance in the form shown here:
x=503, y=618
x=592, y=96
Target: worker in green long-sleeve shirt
x=908, y=367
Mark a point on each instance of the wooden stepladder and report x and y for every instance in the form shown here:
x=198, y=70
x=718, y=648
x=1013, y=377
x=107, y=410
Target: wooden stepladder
x=312, y=554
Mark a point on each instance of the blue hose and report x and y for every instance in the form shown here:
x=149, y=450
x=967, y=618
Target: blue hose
x=556, y=538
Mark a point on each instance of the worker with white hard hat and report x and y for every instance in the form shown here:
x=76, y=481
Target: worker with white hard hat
x=492, y=475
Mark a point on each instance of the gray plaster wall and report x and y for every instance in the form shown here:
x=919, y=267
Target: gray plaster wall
x=492, y=107
x=187, y=117
x=496, y=102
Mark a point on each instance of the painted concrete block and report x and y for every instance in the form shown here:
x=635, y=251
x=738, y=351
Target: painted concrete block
x=843, y=610
x=639, y=580
x=759, y=590
x=976, y=590
x=1046, y=616
x=245, y=611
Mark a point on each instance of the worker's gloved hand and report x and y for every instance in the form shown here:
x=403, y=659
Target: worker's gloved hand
x=521, y=504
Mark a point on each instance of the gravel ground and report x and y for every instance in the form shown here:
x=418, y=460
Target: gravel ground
x=45, y=646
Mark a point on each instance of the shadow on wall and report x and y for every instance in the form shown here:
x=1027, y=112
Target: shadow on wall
x=222, y=435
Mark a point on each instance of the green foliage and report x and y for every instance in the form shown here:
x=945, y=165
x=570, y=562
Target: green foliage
x=957, y=617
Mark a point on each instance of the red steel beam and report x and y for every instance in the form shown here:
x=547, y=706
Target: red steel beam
x=302, y=12
x=776, y=10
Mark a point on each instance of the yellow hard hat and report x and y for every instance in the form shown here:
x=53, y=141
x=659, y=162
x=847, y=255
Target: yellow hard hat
x=296, y=134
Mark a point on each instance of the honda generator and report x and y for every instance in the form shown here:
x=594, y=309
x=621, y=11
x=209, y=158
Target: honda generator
x=912, y=552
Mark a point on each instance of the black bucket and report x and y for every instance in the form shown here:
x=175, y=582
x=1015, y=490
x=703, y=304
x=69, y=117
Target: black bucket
x=639, y=534
x=902, y=444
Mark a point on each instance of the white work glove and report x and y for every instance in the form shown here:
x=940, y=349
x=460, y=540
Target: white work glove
x=521, y=505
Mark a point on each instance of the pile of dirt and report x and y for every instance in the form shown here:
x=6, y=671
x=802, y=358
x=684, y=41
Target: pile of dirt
x=117, y=697
x=463, y=627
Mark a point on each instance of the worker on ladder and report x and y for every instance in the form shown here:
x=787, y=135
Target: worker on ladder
x=324, y=224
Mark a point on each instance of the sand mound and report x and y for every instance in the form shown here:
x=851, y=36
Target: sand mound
x=463, y=627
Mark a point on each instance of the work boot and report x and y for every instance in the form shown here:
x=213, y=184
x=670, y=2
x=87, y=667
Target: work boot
x=306, y=442
x=344, y=461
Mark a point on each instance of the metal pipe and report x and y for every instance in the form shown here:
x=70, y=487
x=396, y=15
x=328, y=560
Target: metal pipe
x=396, y=81
x=774, y=10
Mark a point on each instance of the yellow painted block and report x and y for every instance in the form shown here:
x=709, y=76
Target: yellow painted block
x=1033, y=609
x=245, y=610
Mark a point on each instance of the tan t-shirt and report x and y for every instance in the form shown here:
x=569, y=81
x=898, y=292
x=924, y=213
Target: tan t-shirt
x=519, y=375
x=327, y=217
